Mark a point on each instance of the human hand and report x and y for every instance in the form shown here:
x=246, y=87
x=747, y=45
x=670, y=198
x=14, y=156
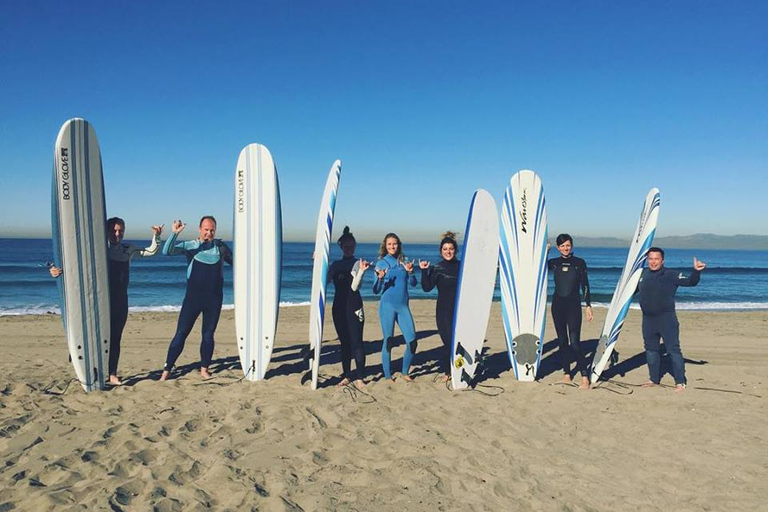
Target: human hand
x=408, y=266
x=590, y=316
x=364, y=265
x=380, y=273
x=698, y=265
x=55, y=271
x=158, y=230
x=178, y=226
x=423, y=264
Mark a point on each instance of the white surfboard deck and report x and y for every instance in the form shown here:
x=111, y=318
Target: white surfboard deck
x=523, y=272
x=258, y=241
x=78, y=215
x=625, y=288
x=320, y=268
x=474, y=291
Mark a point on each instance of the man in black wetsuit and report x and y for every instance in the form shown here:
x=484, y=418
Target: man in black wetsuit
x=570, y=273
x=656, y=289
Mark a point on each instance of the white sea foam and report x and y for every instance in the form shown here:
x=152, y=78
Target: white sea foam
x=703, y=306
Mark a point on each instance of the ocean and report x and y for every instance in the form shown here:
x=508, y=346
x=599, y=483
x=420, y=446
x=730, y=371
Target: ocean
x=733, y=280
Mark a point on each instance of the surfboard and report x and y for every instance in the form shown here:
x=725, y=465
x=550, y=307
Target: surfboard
x=474, y=290
x=258, y=241
x=320, y=268
x=79, y=234
x=625, y=288
x=523, y=270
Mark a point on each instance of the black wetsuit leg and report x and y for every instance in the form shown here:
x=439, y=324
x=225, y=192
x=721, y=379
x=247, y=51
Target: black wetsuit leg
x=211, y=312
x=444, y=320
x=342, y=330
x=190, y=310
x=664, y=326
x=118, y=312
x=566, y=315
x=355, y=326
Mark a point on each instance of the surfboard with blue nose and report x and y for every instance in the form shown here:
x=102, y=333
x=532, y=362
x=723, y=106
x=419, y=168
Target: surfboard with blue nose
x=474, y=291
x=523, y=272
x=642, y=239
x=78, y=215
x=320, y=268
x=258, y=241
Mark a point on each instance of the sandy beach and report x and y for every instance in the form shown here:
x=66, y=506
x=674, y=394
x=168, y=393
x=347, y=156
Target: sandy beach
x=275, y=445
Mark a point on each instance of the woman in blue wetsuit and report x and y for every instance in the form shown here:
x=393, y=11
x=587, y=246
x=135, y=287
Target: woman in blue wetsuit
x=205, y=282
x=444, y=275
x=348, y=317
x=570, y=273
x=393, y=276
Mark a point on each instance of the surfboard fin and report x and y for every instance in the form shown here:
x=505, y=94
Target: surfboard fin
x=460, y=351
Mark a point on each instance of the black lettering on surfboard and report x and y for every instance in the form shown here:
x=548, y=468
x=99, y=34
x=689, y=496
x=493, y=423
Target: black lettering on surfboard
x=240, y=191
x=524, y=212
x=64, y=165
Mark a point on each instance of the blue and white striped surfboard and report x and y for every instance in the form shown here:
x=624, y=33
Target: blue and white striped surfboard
x=258, y=241
x=523, y=269
x=78, y=215
x=625, y=288
x=474, y=291
x=320, y=268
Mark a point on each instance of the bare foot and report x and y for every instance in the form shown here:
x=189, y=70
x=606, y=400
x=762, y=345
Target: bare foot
x=205, y=374
x=359, y=384
x=407, y=378
x=680, y=388
x=114, y=380
x=648, y=384
x=567, y=378
x=584, y=383
x=445, y=378
x=344, y=382
x=165, y=375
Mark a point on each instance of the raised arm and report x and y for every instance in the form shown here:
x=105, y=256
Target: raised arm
x=154, y=244
x=171, y=248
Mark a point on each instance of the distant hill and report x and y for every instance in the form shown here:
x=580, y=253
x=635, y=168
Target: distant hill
x=697, y=241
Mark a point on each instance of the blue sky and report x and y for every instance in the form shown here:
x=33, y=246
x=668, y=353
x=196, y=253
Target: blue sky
x=423, y=101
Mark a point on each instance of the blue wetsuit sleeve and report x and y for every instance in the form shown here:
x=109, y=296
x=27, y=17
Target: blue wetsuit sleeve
x=171, y=248
x=378, y=284
x=412, y=278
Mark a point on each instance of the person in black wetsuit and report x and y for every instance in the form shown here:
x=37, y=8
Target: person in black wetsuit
x=656, y=289
x=444, y=275
x=119, y=255
x=571, y=280
x=348, y=316
x=205, y=283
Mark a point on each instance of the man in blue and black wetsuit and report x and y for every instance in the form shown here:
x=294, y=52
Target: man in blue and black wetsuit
x=205, y=282
x=656, y=289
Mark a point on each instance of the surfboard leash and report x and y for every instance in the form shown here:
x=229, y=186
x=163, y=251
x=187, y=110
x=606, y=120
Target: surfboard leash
x=353, y=391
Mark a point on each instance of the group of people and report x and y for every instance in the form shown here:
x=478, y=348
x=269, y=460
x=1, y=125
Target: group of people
x=393, y=275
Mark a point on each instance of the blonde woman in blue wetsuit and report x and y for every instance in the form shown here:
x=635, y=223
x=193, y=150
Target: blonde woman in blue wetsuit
x=393, y=276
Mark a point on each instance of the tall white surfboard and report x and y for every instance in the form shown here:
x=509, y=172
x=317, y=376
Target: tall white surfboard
x=78, y=217
x=258, y=241
x=625, y=288
x=320, y=268
x=523, y=269
x=474, y=292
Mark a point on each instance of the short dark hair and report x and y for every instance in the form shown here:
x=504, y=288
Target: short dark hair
x=115, y=220
x=207, y=217
x=658, y=250
x=561, y=239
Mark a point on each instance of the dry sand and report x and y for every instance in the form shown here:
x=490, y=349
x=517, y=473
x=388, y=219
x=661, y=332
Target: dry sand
x=277, y=445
